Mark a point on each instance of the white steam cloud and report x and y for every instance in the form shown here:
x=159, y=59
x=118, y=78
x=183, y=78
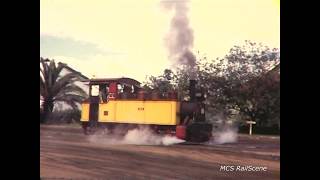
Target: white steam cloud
x=225, y=132
x=227, y=136
x=138, y=136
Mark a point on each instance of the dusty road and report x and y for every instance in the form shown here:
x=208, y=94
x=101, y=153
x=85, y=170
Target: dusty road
x=65, y=153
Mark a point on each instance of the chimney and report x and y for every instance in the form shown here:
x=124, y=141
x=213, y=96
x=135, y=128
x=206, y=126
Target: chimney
x=192, y=90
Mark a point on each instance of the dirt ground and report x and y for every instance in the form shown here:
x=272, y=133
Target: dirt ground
x=65, y=153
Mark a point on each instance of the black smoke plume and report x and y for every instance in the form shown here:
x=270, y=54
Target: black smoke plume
x=179, y=39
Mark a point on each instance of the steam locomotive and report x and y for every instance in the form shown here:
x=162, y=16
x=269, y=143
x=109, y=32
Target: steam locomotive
x=121, y=102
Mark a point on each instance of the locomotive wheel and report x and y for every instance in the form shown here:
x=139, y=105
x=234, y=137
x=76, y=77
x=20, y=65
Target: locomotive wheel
x=198, y=138
x=89, y=128
x=85, y=127
x=198, y=132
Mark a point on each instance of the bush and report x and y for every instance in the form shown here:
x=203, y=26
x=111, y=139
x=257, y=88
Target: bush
x=65, y=116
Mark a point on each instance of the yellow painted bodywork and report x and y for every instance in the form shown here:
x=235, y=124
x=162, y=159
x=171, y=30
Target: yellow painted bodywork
x=85, y=112
x=138, y=112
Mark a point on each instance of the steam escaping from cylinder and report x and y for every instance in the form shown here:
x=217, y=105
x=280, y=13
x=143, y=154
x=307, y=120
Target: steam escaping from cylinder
x=145, y=136
x=139, y=136
x=179, y=40
x=224, y=132
x=226, y=136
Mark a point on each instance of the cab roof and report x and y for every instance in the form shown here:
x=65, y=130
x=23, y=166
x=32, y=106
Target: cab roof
x=123, y=80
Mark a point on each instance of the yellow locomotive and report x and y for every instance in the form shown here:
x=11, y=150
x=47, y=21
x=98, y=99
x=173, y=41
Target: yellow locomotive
x=122, y=102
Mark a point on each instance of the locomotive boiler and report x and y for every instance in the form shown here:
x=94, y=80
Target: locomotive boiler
x=116, y=102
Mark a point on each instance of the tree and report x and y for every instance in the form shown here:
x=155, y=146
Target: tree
x=250, y=88
x=57, y=87
x=240, y=81
x=162, y=83
x=261, y=98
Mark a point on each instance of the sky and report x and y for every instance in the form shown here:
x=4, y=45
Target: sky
x=125, y=38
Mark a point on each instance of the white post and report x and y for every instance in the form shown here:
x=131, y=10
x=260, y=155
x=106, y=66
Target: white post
x=250, y=126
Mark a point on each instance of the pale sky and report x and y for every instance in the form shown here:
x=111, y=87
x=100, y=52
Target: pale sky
x=115, y=38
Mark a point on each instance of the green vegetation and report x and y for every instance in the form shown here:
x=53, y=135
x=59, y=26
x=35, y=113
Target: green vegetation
x=244, y=85
x=56, y=86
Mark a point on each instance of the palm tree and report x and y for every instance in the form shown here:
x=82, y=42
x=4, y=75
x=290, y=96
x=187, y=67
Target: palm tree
x=56, y=87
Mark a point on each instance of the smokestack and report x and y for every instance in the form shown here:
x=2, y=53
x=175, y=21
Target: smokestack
x=192, y=89
x=179, y=40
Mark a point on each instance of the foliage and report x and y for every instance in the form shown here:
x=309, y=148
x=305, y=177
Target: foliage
x=162, y=83
x=58, y=87
x=64, y=116
x=252, y=89
x=242, y=81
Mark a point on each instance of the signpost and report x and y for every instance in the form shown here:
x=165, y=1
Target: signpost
x=250, y=128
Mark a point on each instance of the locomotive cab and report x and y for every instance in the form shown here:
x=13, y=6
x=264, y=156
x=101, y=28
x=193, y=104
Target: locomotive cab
x=101, y=91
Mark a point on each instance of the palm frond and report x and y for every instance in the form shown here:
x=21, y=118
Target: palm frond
x=51, y=73
x=62, y=82
x=58, y=87
x=69, y=98
x=43, y=91
x=72, y=89
x=58, y=70
x=44, y=70
x=73, y=104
